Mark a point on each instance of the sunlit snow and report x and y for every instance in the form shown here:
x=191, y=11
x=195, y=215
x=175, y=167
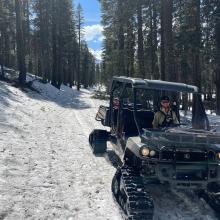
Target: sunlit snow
x=47, y=170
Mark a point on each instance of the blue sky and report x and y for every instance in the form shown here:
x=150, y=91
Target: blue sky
x=93, y=28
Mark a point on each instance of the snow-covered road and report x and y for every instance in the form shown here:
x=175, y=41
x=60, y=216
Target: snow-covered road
x=47, y=170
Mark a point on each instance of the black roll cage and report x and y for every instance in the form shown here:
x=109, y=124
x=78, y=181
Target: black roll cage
x=135, y=84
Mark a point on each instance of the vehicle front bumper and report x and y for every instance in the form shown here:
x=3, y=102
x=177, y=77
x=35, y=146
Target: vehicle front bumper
x=193, y=175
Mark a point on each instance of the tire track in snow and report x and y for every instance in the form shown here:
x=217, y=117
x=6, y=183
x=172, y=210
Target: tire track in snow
x=172, y=204
x=169, y=204
x=85, y=118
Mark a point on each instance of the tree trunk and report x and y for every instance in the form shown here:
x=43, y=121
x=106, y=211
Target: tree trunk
x=141, y=67
x=79, y=59
x=121, y=63
x=28, y=32
x=197, y=35
x=79, y=26
x=167, y=48
x=2, y=53
x=121, y=40
x=162, y=44
x=2, y=71
x=153, y=41
x=20, y=43
x=217, y=34
x=131, y=52
x=54, y=45
x=42, y=40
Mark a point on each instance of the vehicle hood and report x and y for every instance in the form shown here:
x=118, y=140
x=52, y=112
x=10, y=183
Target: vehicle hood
x=182, y=138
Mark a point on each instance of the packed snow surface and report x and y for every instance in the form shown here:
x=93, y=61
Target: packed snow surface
x=47, y=169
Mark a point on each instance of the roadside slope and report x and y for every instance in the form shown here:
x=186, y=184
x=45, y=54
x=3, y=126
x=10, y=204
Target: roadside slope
x=47, y=170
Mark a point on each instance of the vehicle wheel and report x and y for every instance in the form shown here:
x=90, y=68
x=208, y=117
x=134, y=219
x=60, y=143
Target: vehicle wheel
x=98, y=141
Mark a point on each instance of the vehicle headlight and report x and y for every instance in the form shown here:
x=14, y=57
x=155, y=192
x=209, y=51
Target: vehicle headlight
x=145, y=151
x=152, y=153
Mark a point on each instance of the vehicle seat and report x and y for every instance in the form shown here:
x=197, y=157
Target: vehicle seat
x=144, y=118
x=129, y=125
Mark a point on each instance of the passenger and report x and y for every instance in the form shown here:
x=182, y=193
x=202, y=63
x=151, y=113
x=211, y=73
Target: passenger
x=165, y=117
x=116, y=103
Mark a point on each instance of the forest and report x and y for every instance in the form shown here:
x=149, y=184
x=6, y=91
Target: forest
x=174, y=40
x=44, y=37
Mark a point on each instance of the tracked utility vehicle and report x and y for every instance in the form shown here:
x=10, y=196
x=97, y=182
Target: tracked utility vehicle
x=183, y=156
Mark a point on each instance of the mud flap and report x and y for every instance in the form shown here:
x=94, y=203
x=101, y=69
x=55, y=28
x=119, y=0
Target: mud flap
x=98, y=141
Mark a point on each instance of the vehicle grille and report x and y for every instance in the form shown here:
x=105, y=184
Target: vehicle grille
x=181, y=156
x=191, y=175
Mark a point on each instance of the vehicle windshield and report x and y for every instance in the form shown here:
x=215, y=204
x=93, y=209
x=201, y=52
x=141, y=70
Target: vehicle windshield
x=187, y=107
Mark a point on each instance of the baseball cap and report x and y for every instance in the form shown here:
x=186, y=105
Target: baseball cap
x=165, y=98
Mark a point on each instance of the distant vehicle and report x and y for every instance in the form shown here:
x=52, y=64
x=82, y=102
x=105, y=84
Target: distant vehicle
x=183, y=156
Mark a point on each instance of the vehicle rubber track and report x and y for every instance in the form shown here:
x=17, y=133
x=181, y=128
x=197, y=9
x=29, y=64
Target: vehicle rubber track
x=129, y=191
x=213, y=198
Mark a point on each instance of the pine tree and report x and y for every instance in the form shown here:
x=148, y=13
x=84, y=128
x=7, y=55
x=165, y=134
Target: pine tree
x=207, y=50
x=7, y=34
x=196, y=41
x=2, y=39
x=130, y=47
x=151, y=26
x=42, y=23
x=119, y=26
x=20, y=42
x=167, y=44
x=217, y=54
x=79, y=23
x=97, y=74
x=141, y=66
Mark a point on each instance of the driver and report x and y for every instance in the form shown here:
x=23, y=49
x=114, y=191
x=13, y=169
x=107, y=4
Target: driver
x=165, y=117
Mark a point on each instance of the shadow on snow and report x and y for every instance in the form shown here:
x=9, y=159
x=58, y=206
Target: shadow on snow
x=65, y=97
x=6, y=96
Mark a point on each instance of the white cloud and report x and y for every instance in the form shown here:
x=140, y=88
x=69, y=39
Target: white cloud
x=101, y=38
x=96, y=53
x=93, y=32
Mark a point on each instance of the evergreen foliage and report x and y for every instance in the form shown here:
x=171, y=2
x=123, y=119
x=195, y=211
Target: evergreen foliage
x=175, y=40
x=44, y=35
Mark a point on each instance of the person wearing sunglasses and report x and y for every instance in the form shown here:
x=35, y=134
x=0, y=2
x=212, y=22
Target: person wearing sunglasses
x=165, y=117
